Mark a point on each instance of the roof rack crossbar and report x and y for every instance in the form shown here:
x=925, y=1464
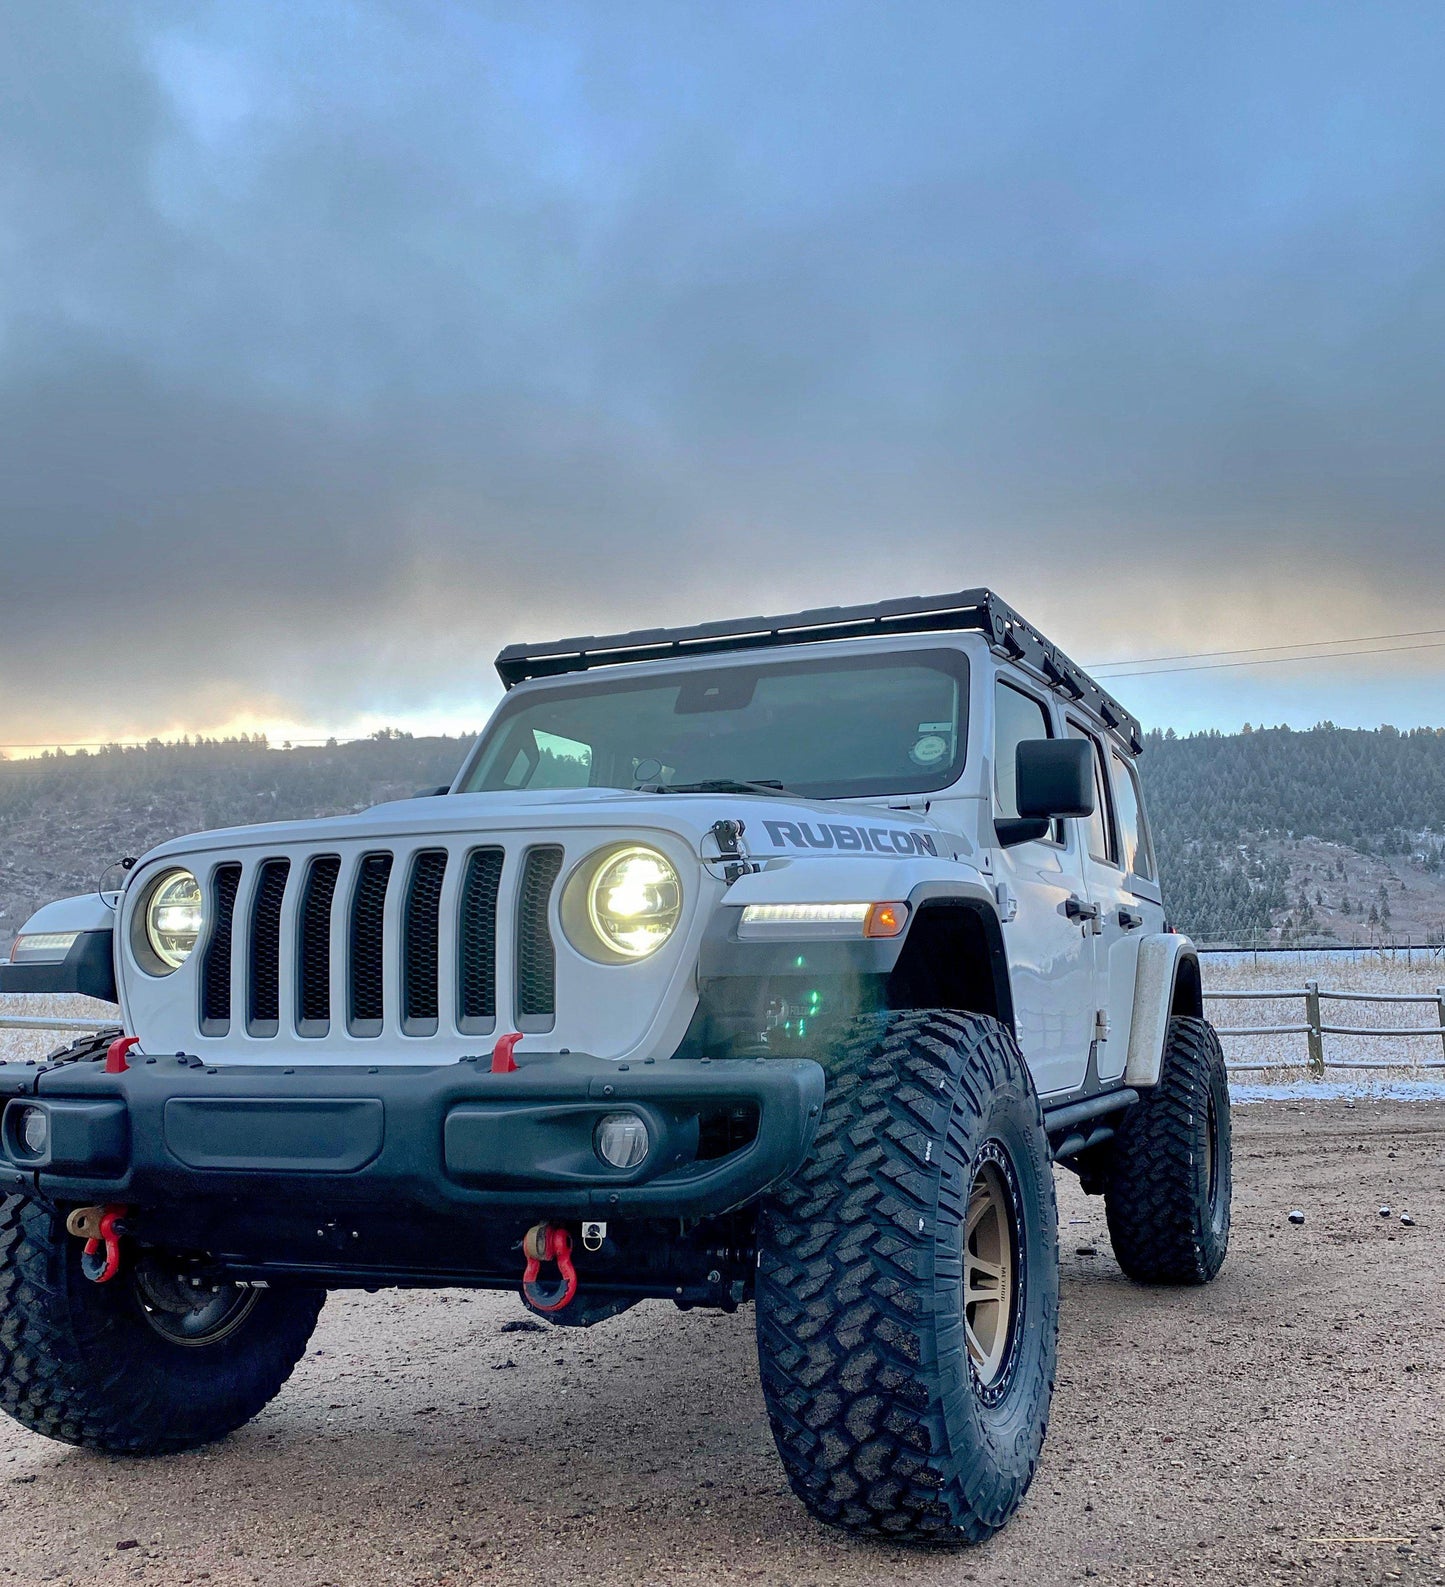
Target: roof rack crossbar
x=979, y=610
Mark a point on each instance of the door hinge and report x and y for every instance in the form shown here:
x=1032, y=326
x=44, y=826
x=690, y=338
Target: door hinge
x=1008, y=905
x=1101, y=1024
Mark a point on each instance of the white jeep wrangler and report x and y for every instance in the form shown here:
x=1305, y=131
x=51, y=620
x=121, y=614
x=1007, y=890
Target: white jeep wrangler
x=775, y=960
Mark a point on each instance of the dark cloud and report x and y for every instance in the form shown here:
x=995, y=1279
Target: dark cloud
x=338, y=347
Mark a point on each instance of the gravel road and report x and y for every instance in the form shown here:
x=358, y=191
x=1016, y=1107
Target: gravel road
x=1241, y=1433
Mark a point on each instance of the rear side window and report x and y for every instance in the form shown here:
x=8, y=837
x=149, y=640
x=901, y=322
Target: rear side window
x=1017, y=718
x=1102, y=845
x=1133, y=828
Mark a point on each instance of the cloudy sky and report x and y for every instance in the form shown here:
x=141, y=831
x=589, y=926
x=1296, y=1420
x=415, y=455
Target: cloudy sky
x=342, y=343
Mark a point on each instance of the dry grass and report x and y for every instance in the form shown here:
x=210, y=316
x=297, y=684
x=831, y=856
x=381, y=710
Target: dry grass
x=17, y=1046
x=1363, y=972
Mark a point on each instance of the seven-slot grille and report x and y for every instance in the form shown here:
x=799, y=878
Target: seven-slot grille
x=357, y=917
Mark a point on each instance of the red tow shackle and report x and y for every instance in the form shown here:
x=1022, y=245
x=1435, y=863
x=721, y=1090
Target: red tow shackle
x=544, y=1243
x=99, y=1228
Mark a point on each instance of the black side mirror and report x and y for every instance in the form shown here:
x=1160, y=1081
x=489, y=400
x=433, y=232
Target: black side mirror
x=1054, y=779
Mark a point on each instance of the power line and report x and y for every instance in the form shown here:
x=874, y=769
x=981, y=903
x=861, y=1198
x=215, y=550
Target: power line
x=1251, y=650
x=1275, y=661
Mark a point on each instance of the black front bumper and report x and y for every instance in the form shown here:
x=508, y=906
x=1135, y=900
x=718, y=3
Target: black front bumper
x=446, y=1141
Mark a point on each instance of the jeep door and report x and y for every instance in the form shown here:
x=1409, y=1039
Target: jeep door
x=1050, y=950
x=1120, y=922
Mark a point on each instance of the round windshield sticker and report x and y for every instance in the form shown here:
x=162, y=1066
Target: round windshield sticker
x=928, y=751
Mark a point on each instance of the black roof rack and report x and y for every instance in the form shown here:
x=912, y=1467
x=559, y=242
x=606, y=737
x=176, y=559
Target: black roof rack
x=980, y=610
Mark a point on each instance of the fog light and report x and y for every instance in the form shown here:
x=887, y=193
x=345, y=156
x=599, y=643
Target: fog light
x=35, y=1131
x=621, y=1139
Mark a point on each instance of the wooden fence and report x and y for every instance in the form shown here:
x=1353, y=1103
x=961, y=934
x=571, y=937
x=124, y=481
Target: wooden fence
x=1314, y=1029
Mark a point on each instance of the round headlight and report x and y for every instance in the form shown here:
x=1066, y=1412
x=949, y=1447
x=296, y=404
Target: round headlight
x=173, y=918
x=634, y=902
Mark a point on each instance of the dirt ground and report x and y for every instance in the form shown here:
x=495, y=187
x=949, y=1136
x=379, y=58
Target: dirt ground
x=1286, y=1424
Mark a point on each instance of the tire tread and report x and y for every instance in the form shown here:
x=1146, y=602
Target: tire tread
x=65, y=1378
x=1160, y=1232
x=854, y=1338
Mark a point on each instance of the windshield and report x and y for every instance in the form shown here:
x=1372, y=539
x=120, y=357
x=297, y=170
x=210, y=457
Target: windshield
x=858, y=726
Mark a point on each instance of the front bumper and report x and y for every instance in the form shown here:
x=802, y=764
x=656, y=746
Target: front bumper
x=438, y=1141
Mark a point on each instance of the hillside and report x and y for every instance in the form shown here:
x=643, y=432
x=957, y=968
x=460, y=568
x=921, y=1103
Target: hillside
x=65, y=819
x=1318, y=836
x=1328, y=834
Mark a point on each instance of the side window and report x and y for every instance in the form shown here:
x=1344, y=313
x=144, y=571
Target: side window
x=1102, y=844
x=1017, y=717
x=1138, y=852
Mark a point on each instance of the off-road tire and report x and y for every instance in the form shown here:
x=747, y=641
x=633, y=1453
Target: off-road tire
x=1167, y=1196
x=875, y=1404
x=80, y=1363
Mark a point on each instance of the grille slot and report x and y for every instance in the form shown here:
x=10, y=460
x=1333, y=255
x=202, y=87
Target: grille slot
x=421, y=943
x=536, y=956
x=477, y=943
x=263, y=1012
x=216, y=966
x=368, y=1000
x=313, y=947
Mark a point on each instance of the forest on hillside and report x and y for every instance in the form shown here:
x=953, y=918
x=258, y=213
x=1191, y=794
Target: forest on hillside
x=1226, y=810
x=1216, y=799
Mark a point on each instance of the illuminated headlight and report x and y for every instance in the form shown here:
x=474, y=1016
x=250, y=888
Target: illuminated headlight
x=173, y=917
x=823, y=920
x=42, y=947
x=634, y=901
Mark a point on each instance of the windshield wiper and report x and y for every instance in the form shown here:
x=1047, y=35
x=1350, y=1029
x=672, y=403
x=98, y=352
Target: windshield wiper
x=716, y=785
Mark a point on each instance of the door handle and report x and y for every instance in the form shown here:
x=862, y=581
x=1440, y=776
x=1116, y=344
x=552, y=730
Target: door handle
x=1076, y=909
x=1129, y=920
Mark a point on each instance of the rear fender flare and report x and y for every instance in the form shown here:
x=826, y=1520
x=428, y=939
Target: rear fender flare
x=1166, y=983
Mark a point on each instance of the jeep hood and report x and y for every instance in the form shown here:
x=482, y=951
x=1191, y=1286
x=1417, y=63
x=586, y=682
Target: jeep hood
x=783, y=824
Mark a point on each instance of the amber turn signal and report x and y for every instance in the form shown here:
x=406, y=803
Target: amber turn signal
x=885, y=920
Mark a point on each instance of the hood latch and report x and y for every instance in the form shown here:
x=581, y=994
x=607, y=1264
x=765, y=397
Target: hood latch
x=728, y=835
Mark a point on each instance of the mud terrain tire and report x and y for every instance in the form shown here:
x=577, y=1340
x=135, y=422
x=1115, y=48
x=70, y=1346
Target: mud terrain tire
x=1167, y=1196
x=80, y=1362
x=879, y=1407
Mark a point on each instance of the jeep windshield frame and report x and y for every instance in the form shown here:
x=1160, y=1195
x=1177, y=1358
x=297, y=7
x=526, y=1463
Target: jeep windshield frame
x=824, y=727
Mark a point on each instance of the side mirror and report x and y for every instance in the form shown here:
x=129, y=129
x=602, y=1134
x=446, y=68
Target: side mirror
x=1054, y=779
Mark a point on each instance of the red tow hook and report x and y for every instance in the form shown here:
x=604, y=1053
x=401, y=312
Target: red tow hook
x=99, y=1228
x=115, y=1063
x=545, y=1243
x=503, y=1061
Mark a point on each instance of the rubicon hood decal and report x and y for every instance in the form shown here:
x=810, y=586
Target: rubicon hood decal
x=847, y=839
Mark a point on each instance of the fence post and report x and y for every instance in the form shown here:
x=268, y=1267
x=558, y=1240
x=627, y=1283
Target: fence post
x=1315, y=1036
x=1440, y=1004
